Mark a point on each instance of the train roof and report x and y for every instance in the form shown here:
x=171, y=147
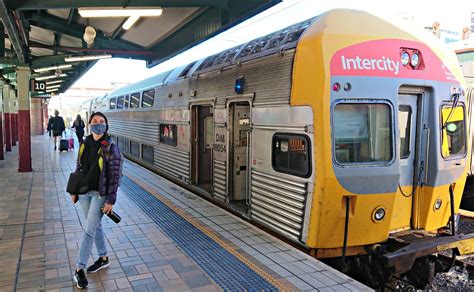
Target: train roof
x=271, y=43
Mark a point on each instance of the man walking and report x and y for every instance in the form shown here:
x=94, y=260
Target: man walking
x=57, y=126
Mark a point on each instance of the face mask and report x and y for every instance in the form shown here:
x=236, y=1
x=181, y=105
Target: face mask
x=98, y=129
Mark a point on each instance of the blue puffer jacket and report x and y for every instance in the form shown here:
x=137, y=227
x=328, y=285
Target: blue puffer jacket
x=110, y=175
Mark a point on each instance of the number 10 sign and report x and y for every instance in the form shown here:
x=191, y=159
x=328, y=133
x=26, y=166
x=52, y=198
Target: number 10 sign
x=38, y=86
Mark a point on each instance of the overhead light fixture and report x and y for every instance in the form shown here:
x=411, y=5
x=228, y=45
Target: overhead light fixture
x=130, y=21
x=53, y=82
x=87, y=58
x=51, y=90
x=53, y=86
x=49, y=77
x=119, y=12
x=39, y=70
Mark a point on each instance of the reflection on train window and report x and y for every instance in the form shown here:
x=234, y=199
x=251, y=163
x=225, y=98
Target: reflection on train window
x=148, y=154
x=168, y=134
x=362, y=133
x=120, y=102
x=112, y=103
x=121, y=143
x=125, y=101
x=147, y=98
x=291, y=154
x=135, y=100
x=404, y=126
x=454, y=136
x=135, y=149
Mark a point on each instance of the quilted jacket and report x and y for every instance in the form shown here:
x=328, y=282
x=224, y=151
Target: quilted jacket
x=110, y=175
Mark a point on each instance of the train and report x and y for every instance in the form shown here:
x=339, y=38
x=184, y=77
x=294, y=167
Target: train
x=343, y=134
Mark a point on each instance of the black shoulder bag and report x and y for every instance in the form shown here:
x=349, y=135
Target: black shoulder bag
x=78, y=183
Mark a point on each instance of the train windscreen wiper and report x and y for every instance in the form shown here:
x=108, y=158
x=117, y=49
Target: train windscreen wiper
x=455, y=97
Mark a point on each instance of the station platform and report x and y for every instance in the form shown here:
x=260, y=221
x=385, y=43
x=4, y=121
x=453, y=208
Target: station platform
x=168, y=240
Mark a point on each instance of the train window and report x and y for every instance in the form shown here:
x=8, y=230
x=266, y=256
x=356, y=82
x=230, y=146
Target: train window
x=291, y=154
x=126, y=101
x=112, y=103
x=120, y=102
x=148, y=154
x=135, y=149
x=453, y=135
x=404, y=126
x=362, y=133
x=147, y=98
x=135, y=100
x=168, y=134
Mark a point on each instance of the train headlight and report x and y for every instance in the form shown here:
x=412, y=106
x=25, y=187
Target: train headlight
x=414, y=60
x=437, y=205
x=405, y=58
x=378, y=214
x=347, y=86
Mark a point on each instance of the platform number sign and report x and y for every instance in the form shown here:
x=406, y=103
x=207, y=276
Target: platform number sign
x=38, y=86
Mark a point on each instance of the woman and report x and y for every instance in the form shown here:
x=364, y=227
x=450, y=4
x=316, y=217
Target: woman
x=79, y=126
x=100, y=154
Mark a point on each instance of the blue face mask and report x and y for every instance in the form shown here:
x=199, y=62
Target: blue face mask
x=98, y=129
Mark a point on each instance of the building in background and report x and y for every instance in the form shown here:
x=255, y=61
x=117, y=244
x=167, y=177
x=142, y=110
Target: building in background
x=465, y=53
x=67, y=103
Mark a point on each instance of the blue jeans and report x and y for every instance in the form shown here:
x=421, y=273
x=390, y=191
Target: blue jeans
x=91, y=204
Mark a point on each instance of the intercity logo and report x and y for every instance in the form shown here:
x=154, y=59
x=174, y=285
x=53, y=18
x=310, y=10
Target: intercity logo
x=357, y=63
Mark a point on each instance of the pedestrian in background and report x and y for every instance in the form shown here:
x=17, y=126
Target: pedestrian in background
x=79, y=126
x=57, y=126
x=50, y=124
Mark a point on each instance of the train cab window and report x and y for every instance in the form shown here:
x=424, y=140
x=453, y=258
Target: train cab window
x=147, y=98
x=120, y=102
x=362, y=133
x=135, y=149
x=112, y=103
x=291, y=154
x=453, y=132
x=126, y=102
x=135, y=100
x=404, y=126
x=148, y=154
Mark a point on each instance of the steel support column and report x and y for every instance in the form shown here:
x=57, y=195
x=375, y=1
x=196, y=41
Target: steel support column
x=2, y=156
x=6, y=114
x=13, y=113
x=23, y=75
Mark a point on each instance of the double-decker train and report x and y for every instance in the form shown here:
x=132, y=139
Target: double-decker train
x=343, y=133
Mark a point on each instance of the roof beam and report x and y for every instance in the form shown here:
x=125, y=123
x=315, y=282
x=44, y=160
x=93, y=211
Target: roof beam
x=62, y=4
x=12, y=32
x=76, y=30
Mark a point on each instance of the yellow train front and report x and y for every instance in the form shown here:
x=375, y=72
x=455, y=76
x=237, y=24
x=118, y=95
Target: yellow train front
x=390, y=142
x=342, y=133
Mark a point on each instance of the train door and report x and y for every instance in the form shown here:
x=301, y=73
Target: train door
x=202, y=144
x=408, y=121
x=239, y=133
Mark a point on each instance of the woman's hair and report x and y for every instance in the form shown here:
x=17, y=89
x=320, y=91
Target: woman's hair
x=78, y=117
x=102, y=115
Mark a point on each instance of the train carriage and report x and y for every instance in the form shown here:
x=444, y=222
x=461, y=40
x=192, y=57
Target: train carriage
x=346, y=140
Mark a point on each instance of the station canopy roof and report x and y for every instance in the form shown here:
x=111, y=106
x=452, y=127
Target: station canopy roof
x=60, y=40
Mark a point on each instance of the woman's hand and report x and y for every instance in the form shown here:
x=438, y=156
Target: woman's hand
x=107, y=208
x=74, y=198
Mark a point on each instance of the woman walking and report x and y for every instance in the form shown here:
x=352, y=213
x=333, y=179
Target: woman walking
x=79, y=126
x=100, y=156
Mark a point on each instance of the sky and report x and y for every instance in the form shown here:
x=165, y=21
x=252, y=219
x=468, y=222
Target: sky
x=452, y=15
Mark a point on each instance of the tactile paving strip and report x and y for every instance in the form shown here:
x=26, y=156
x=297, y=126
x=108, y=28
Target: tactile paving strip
x=223, y=267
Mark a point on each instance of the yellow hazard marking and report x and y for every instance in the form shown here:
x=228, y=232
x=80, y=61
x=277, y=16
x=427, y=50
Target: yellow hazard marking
x=210, y=233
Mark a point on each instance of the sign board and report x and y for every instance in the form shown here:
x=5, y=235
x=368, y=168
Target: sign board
x=38, y=86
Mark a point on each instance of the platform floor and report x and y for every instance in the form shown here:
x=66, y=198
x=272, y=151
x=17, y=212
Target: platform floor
x=169, y=239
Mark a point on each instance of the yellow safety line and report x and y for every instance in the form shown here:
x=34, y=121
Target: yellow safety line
x=211, y=234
